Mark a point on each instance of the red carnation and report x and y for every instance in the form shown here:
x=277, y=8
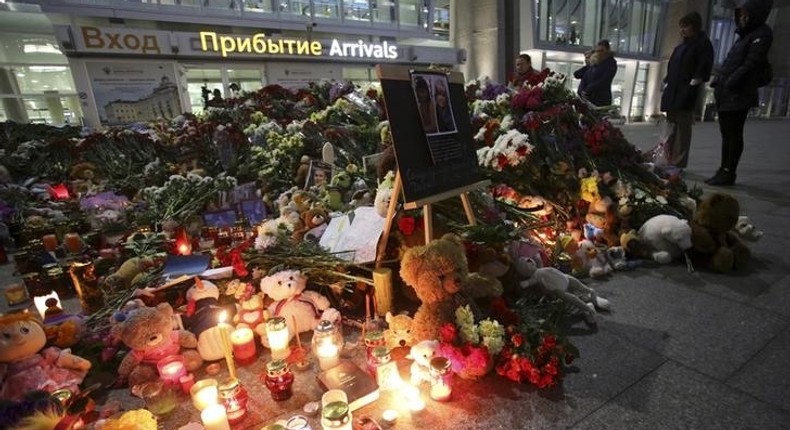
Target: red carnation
x=407, y=224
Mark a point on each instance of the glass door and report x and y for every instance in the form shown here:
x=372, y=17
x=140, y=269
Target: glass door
x=209, y=84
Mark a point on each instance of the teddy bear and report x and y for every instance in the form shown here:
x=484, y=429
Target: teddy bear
x=593, y=260
x=563, y=286
x=667, y=236
x=746, y=230
x=601, y=222
x=250, y=312
x=25, y=365
x=201, y=317
x=294, y=303
x=149, y=333
x=314, y=222
x=422, y=353
x=439, y=274
x=398, y=334
x=715, y=245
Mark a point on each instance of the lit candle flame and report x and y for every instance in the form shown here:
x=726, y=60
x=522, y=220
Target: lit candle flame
x=223, y=316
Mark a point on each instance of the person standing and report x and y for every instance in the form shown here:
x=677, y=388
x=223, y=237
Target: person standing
x=597, y=75
x=736, y=82
x=524, y=71
x=689, y=66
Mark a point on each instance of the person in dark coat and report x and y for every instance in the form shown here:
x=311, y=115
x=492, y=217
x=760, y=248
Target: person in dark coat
x=524, y=71
x=597, y=75
x=737, y=80
x=689, y=66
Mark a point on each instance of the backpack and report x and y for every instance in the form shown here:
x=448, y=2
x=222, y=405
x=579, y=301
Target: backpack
x=765, y=75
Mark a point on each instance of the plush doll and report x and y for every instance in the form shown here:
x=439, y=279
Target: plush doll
x=566, y=287
x=715, y=245
x=384, y=194
x=25, y=365
x=601, y=222
x=148, y=332
x=594, y=262
x=439, y=274
x=250, y=311
x=616, y=256
x=291, y=301
x=125, y=276
x=667, y=236
x=398, y=333
x=422, y=353
x=746, y=230
x=201, y=318
x=314, y=222
x=302, y=171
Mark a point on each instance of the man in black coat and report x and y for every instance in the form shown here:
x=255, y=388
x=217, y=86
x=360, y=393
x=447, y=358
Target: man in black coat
x=596, y=77
x=737, y=81
x=689, y=66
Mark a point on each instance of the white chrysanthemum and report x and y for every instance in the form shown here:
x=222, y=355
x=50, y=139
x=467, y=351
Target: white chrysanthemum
x=507, y=122
x=503, y=99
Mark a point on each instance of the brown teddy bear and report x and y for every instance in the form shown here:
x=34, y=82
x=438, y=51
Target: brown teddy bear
x=439, y=274
x=714, y=243
x=149, y=333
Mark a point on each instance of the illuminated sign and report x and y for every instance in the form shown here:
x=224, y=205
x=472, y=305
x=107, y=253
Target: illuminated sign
x=260, y=44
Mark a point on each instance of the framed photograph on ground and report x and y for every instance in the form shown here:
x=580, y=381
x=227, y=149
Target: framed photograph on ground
x=220, y=219
x=319, y=175
x=254, y=210
x=242, y=192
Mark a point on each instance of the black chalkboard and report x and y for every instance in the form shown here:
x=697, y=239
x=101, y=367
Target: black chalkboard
x=422, y=176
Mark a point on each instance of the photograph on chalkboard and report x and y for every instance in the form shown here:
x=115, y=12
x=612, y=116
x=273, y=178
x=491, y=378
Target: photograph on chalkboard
x=319, y=175
x=431, y=93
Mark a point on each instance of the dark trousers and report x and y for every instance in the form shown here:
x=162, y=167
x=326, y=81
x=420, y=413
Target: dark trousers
x=731, y=126
x=679, y=141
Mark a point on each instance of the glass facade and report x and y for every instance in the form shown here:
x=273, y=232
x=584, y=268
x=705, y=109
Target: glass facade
x=632, y=27
x=35, y=81
x=638, y=98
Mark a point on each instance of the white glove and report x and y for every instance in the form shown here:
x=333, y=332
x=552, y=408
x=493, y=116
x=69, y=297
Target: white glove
x=695, y=82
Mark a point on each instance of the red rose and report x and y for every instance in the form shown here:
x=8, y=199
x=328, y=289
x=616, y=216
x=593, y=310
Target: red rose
x=517, y=340
x=549, y=342
x=502, y=161
x=407, y=225
x=448, y=332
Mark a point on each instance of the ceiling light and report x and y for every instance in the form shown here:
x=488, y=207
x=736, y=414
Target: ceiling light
x=46, y=48
x=41, y=69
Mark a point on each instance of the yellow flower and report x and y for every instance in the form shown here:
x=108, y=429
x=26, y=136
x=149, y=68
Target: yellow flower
x=589, y=189
x=138, y=419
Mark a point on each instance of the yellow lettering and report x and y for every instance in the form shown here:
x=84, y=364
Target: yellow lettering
x=273, y=47
x=92, y=37
x=244, y=44
x=113, y=39
x=316, y=48
x=227, y=44
x=259, y=43
x=203, y=36
x=290, y=44
x=132, y=42
x=303, y=47
x=150, y=44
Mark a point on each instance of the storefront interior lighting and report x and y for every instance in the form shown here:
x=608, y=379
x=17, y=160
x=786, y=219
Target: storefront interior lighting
x=42, y=69
x=46, y=48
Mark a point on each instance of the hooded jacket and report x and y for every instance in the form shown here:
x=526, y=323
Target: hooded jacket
x=737, y=79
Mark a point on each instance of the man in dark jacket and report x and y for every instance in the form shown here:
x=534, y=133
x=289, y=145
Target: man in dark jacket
x=736, y=83
x=689, y=66
x=596, y=77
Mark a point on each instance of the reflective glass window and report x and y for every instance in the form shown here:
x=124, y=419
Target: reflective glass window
x=383, y=10
x=325, y=8
x=441, y=19
x=258, y=6
x=356, y=10
x=409, y=12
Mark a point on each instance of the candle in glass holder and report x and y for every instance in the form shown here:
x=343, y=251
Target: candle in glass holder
x=214, y=417
x=41, y=302
x=279, y=337
x=73, y=243
x=171, y=369
x=327, y=343
x=204, y=393
x=235, y=397
x=16, y=294
x=243, y=342
x=441, y=379
x=50, y=242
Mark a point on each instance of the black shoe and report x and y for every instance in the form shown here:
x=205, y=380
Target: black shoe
x=716, y=176
x=726, y=178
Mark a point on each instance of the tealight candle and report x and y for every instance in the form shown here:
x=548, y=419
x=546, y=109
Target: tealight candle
x=214, y=417
x=243, y=342
x=390, y=416
x=328, y=356
x=204, y=393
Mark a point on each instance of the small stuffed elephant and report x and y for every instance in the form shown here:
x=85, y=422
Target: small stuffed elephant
x=566, y=287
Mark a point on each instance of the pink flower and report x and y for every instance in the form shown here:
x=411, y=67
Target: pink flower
x=448, y=333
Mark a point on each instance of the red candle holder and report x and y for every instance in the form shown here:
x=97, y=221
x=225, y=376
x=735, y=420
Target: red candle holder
x=279, y=380
x=171, y=369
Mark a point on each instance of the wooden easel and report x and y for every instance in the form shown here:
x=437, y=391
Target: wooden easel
x=427, y=210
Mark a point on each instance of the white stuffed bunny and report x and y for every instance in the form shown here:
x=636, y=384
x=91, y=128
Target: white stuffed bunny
x=566, y=287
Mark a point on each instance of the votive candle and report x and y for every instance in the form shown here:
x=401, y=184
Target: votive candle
x=171, y=369
x=205, y=393
x=243, y=342
x=214, y=417
x=328, y=356
x=279, y=337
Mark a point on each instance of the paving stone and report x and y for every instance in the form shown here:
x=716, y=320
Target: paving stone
x=707, y=333
x=675, y=397
x=765, y=376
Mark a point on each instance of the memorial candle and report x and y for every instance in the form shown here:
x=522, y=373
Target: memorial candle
x=243, y=341
x=214, y=417
x=204, y=393
x=171, y=369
